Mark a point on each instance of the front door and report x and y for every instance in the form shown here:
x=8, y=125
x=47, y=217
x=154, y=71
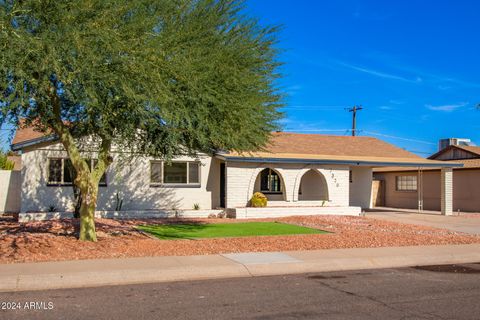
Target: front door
x=222, y=185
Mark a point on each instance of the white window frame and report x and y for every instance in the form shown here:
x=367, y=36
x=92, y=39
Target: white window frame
x=187, y=184
x=399, y=188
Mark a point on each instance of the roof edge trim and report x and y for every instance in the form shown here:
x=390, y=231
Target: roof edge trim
x=344, y=162
x=32, y=142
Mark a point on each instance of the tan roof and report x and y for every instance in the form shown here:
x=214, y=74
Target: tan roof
x=472, y=149
x=297, y=143
x=469, y=163
x=287, y=145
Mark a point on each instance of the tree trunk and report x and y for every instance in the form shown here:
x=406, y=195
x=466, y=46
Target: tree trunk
x=87, y=213
x=77, y=195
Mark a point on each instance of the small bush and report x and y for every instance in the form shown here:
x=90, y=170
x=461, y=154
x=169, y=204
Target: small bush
x=258, y=200
x=196, y=206
x=5, y=164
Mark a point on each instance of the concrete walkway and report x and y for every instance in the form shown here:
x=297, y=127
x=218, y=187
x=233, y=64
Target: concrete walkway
x=91, y=273
x=469, y=225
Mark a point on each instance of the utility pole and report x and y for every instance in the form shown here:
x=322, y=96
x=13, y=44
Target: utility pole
x=354, y=120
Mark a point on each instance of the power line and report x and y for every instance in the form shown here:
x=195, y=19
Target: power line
x=318, y=130
x=395, y=137
x=416, y=151
x=314, y=107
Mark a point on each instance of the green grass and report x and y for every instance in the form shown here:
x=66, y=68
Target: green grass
x=220, y=230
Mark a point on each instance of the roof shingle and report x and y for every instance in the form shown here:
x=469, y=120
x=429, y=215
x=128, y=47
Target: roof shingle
x=338, y=146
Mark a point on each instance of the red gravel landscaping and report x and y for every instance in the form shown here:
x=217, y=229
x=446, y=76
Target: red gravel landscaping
x=55, y=240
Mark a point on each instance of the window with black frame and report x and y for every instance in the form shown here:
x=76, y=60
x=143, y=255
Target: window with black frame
x=62, y=173
x=270, y=181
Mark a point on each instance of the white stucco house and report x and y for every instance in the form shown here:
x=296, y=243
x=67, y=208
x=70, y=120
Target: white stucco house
x=299, y=173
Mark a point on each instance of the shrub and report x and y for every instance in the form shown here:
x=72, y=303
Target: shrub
x=5, y=164
x=196, y=206
x=258, y=200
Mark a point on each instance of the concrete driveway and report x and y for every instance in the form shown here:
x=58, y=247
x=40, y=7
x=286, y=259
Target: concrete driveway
x=469, y=225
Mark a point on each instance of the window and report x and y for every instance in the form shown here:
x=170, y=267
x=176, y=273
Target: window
x=406, y=183
x=61, y=171
x=270, y=181
x=55, y=170
x=175, y=172
x=181, y=173
x=156, y=175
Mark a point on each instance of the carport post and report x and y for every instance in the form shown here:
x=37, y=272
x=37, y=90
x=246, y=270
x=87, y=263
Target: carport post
x=447, y=191
x=420, y=189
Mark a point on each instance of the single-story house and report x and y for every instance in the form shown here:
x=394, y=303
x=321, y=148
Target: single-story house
x=299, y=174
x=410, y=188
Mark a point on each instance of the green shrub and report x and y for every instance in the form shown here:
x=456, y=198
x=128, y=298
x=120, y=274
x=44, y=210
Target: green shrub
x=258, y=200
x=5, y=164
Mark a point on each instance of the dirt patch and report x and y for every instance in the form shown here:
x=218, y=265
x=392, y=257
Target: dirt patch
x=55, y=240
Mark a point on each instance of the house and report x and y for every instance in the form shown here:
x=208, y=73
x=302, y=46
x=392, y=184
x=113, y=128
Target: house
x=299, y=174
x=412, y=188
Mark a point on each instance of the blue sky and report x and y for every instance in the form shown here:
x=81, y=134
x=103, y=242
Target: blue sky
x=413, y=65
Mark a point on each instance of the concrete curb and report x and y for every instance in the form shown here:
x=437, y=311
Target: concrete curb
x=91, y=273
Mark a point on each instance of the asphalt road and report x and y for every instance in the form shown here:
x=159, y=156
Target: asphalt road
x=451, y=292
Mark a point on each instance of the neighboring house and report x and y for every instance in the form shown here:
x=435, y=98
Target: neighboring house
x=413, y=188
x=299, y=174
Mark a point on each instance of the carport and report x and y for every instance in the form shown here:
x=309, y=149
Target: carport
x=410, y=182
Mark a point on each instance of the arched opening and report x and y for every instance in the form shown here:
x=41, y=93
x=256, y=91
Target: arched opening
x=313, y=187
x=270, y=183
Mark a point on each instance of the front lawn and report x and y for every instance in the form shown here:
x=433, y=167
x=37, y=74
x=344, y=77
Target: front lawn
x=220, y=230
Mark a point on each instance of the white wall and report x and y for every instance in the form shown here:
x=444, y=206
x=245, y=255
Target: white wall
x=131, y=181
x=313, y=187
x=361, y=187
x=241, y=177
x=10, y=184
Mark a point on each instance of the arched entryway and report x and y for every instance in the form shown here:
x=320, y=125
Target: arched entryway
x=270, y=183
x=313, y=187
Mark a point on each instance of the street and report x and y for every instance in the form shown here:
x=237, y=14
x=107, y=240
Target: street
x=436, y=292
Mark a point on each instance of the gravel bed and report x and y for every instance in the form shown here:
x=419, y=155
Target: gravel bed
x=55, y=240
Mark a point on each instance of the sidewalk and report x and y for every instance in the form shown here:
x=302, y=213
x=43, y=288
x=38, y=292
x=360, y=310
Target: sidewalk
x=91, y=273
x=453, y=223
